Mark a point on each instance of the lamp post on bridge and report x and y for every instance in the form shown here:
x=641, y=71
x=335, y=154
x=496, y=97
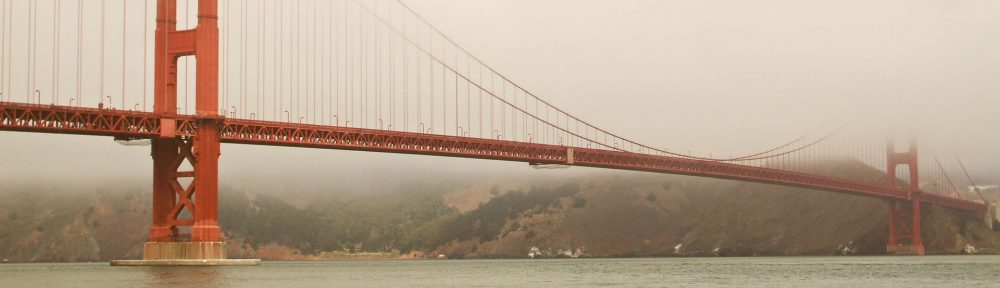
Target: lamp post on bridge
x=38, y=94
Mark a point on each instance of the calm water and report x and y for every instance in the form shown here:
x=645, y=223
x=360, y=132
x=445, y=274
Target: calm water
x=930, y=271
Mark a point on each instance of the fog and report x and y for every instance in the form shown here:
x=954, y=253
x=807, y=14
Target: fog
x=720, y=77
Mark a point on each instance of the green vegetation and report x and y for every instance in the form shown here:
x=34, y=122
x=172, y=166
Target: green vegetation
x=488, y=220
x=611, y=216
x=366, y=223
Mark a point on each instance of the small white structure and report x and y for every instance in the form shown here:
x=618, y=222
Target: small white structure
x=534, y=252
x=970, y=250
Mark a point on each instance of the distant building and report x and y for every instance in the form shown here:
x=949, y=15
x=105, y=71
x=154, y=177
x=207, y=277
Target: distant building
x=990, y=192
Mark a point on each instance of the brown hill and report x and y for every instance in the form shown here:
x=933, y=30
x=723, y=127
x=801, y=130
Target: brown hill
x=599, y=215
x=616, y=215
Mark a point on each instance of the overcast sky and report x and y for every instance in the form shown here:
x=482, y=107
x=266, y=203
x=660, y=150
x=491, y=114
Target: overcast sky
x=723, y=77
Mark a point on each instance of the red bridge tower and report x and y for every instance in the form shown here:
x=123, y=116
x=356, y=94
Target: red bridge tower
x=186, y=201
x=904, y=220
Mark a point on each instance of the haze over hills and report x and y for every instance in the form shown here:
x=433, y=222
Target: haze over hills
x=603, y=214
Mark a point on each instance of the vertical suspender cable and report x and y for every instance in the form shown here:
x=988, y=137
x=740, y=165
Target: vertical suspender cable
x=392, y=75
x=317, y=66
x=349, y=47
x=3, y=51
x=79, y=52
x=301, y=96
x=223, y=62
x=392, y=65
x=420, y=90
x=337, y=62
x=323, y=64
x=503, y=108
x=468, y=94
x=262, y=108
x=456, y=94
x=444, y=90
x=279, y=63
x=378, y=66
x=406, y=75
x=430, y=70
x=55, y=53
x=263, y=101
x=293, y=100
x=312, y=61
x=224, y=49
x=242, y=109
x=145, y=50
x=124, y=34
x=310, y=95
x=260, y=58
x=349, y=68
x=298, y=59
x=5, y=43
x=32, y=46
x=10, y=50
x=274, y=74
x=480, y=90
x=279, y=41
x=493, y=104
x=364, y=68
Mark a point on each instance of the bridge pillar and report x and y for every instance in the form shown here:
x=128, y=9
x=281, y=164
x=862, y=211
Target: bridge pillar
x=904, y=217
x=185, y=197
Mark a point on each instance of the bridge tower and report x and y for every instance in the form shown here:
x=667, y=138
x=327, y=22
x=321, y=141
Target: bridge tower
x=185, y=196
x=904, y=218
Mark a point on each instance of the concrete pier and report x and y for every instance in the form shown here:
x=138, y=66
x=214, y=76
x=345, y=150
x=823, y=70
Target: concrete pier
x=190, y=262
x=185, y=254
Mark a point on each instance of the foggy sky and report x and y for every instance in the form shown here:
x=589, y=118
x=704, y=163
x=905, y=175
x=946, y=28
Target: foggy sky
x=722, y=77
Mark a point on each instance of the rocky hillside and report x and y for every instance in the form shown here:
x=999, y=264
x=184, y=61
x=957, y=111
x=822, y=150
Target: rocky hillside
x=646, y=215
x=630, y=214
x=600, y=215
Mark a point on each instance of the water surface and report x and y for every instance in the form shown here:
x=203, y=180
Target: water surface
x=928, y=271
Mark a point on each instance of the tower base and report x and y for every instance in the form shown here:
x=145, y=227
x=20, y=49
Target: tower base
x=905, y=249
x=185, y=254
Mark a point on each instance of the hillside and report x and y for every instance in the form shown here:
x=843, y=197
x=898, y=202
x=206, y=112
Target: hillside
x=600, y=215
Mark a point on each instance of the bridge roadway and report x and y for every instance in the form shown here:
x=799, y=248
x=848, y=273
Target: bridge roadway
x=123, y=124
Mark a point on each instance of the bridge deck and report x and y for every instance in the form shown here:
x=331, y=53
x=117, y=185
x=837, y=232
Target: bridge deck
x=145, y=125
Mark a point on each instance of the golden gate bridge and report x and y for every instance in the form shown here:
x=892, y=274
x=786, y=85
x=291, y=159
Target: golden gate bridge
x=188, y=75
